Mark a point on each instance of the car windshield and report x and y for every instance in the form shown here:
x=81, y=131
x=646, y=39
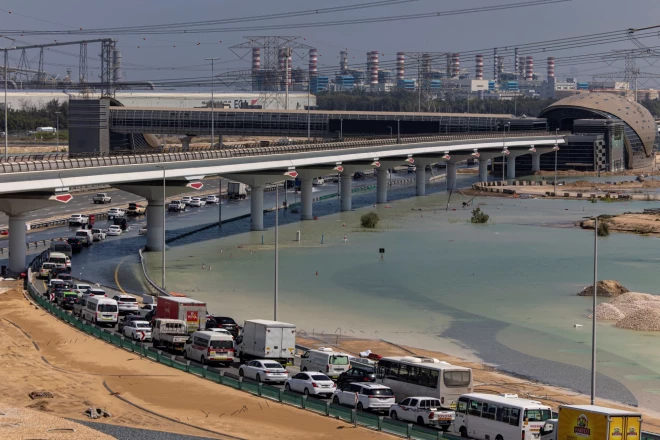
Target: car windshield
x=320, y=377
x=273, y=365
x=127, y=299
x=221, y=344
x=339, y=360
x=385, y=392
x=107, y=308
x=226, y=321
x=81, y=234
x=142, y=325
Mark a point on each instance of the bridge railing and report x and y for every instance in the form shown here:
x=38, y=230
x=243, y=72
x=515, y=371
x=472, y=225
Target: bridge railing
x=47, y=162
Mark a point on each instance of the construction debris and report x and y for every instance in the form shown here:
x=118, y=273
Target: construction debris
x=40, y=395
x=97, y=413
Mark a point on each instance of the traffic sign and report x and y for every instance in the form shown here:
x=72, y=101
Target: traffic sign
x=292, y=173
x=339, y=168
x=196, y=185
x=410, y=160
x=376, y=164
x=64, y=198
x=142, y=335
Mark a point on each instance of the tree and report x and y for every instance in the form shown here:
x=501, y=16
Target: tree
x=370, y=220
x=603, y=229
x=478, y=216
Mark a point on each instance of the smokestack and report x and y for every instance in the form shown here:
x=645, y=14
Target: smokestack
x=529, y=68
x=313, y=62
x=551, y=68
x=455, y=65
x=479, y=67
x=400, y=66
x=289, y=67
x=495, y=61
x=516, y=66
x=256, y=60
x=343, y=61
x=373, y=67
x=448, y=65
x=521, y=67
x=116, y=66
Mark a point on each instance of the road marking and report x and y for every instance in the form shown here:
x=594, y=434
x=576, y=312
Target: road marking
x=117, y=274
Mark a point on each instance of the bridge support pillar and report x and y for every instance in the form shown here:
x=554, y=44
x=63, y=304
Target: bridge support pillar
x=185, y=142
x=155, y=224
x=257, y=208
x=511, y=167
x=306, y=188
x=483, y=163
x=381, y=185
x=346, y=192
x=17, y=234
x=536, y=162
x=451, y=176
x=420, y=180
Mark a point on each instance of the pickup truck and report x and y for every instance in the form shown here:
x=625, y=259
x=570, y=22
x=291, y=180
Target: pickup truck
x=176, y=206
x=102, y=198
x=136, y=209
x=170, y=333
x=423, y=411
x=78, y=220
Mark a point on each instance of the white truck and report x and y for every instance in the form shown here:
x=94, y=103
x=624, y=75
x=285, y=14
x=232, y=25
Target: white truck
x=170, y=333
x=423, y=411
x=264, y=339
x=102, y=198
x=236, y=191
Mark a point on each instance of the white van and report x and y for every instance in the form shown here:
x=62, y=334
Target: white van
x=85, y=236
x=210, y=347
x=59, y=258
x=100, y=310
x=324, y=360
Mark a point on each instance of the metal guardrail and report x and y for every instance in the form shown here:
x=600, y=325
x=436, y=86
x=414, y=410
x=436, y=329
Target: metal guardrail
x=155, y=286
x=18, y=164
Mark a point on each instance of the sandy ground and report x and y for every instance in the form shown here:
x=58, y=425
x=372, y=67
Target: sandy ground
x=73, y=367
x=637, y=223
x=636, y=192
x=486, y=379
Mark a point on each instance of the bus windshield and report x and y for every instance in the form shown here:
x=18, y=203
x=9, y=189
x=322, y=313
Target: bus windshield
x=456, y=379
x=537, y=415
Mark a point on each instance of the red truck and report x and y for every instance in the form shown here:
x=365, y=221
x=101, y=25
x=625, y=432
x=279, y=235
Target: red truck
x=191, y=311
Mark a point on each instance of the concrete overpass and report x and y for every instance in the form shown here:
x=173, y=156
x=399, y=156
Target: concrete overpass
x=34, y=184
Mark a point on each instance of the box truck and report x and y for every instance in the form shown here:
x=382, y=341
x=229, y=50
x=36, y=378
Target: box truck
x=236, y=191
x=191, y=311
x=263, y=339
x=591, y=422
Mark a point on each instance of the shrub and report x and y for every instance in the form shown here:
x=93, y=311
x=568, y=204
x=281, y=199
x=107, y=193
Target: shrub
x=603, y=229
x=478, y=216
x=369, y=220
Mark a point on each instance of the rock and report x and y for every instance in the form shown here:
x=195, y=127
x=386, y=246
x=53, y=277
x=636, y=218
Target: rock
x=607, y=288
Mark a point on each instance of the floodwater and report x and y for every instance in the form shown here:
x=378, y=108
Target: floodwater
x=502, y=292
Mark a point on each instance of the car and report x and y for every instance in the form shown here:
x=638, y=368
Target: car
x=78, y=306
x=142, y=230
x=102, y=198
x=75, y=243
x=146, y=308
x=186, y=200
x=197, y=202
x=212, y=199
x=263, y=370
x=60, y=274
x=365, y=396
x=114, y=230
x=78, y=220
x=150, y=316
x=98, y=234
x=116, y=212
x=222, y=322
x=311, y=383
x=67, y=299
x=355, y=374
x=138, y=330
x=44, y=270
x=411, y=169
x=53, y=283
x=94, y=291
x=85, y=236
x=219, y=330
x=318, y=181
x=121, y=222
x=81, y=288
x=359, y=176
x=127, y=304
x=176, y=206
x=136, y=209
x=126, y=320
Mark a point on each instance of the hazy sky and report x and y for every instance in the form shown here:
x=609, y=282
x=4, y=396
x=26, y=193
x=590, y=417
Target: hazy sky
x=455, y=34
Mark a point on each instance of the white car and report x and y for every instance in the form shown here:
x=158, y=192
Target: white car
x=311, y=383
x=212, y=199
x=81, y=288
x=142, y=230
x=116, y=212
x=127, y=304
x=318, y=181
x=145, y=309
x=197, y=202
x=98, y=234
x=137, y=330
x=78, y=219
x=114, y=230
x=186, y=200
x=365, y=396
x=263, y=370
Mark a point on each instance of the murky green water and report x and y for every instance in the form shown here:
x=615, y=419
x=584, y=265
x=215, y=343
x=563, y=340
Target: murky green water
x=514, y=279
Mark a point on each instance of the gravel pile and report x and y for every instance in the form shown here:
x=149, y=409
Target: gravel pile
x=644, y=319
x=608, y=312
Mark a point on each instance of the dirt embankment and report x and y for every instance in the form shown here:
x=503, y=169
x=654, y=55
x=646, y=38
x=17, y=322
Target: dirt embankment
x=604, y=288
x=41, y=353
x=634, y=222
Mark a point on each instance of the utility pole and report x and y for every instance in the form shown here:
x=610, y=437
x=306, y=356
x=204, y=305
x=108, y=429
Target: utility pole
x=212, y=100
x=287, y=54
x=57, y=129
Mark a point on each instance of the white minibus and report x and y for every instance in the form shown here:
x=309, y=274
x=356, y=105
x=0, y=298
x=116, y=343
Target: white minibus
x=210, y=347
x=498, y=417
x=421, y=376
x=59, y=258
x=100, y=310
x=326, y=361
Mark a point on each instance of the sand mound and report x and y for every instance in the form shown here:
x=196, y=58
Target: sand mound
x=604, y=288
x=645, y=319
x=608, y=312
x=634, y=297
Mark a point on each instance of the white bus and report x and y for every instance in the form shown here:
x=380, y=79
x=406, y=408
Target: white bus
x=421, y=376
x=492, y=417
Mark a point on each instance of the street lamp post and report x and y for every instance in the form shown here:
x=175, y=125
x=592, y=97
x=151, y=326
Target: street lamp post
x=556, y=148
x=390, y=127
x=57, y=129
x=504, y=150
x=277, y=257
x=212, y=60
x=593, y=318
x=163, y=236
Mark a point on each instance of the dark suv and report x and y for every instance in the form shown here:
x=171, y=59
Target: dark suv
x=223, y=322
x=356, y=374
x=75, y=243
